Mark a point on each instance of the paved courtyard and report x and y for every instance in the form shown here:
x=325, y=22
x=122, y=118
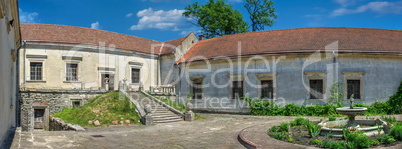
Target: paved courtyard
x=216, y=131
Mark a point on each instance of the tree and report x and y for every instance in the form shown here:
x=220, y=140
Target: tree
x=262, y=13
x=216, y=18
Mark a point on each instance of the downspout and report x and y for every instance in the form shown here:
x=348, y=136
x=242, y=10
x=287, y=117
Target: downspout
x=17, y=90
x=24, y=57
x=179, y=91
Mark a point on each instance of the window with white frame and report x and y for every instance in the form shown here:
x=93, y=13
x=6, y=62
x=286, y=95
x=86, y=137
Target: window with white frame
x=36, y=71
x=71, y=72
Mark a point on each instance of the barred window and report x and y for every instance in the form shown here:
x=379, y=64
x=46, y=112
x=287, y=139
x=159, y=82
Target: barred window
x=353, y=87
x=36, y=70
x=135, y=75
x=237, y=89
x=71, y=72
x=316, y=89
x=267, y=90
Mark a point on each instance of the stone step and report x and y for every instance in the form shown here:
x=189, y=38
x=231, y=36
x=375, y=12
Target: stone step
x=166, y=116
x=168, y=121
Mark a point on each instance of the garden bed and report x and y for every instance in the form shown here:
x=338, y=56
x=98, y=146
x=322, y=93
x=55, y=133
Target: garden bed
x=304, y=132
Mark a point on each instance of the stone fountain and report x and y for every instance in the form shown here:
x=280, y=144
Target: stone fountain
x=336, y=127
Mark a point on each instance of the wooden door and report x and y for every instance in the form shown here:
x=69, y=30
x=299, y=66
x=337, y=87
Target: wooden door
x=39, y=118
x=111, y=82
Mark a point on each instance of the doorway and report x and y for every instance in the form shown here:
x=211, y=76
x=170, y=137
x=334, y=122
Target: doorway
x=39, y=118
x=107, y=81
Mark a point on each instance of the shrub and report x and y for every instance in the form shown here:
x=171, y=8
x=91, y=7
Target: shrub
x=331, y=119
x=386, y=139
x=298, y=121
x=313, y=129
x=395, y=102
x=274, y=129
x=278, y=135
x=396, y=132
x=315, y=142
x=334, y=145
x=360, y=140
x=284, y=126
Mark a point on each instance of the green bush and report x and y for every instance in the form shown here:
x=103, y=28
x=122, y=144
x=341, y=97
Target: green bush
x=284, y=126
x=278, y=135
x=298, y=121
x=313, y=129
x=334, y=145
x=396, y=132
x=331, y=119
x=274, y=129
x=395, y=102
x=315, y=142
x=360, y=140
x=386, y=139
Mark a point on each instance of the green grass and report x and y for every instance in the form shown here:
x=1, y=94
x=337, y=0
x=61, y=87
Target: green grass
x=179, y=107
x=110, y=107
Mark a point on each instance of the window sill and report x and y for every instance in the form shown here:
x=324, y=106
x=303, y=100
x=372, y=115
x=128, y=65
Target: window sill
x=134, y=84
x=72, y=82
x=36, y=81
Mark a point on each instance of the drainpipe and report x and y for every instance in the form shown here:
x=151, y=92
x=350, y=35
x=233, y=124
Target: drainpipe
x=24, y=59
x=17, y=90
x=179, y=90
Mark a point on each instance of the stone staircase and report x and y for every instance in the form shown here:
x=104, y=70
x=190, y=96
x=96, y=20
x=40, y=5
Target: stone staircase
x=160, y=114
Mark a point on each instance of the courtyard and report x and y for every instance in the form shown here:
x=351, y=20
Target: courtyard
x=215, y=131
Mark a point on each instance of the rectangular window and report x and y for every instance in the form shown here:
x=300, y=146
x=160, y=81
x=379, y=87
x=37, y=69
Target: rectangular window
x=353, y=87
x=76, y=104
x=316, y=89
x=237, y=89
x=36, y=70
x=135, y=75
x=197, y=90
x=71, y=72
x=267, y=90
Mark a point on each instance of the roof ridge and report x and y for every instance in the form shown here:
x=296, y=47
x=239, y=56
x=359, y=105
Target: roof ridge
x=301, y=29
x=89, y=29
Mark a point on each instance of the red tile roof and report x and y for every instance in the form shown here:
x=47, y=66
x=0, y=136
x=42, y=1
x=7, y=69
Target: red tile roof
x=79, y=35
x=303, y=40
x=170, y=45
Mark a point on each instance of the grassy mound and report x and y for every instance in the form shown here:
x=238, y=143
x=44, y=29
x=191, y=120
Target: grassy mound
x=105, y=108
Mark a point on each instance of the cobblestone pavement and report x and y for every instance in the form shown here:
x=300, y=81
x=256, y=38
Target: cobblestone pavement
x=216, y=131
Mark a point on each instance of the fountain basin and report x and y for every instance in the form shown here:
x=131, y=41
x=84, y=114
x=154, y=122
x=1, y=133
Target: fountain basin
x=352, y=112
x=371, y=129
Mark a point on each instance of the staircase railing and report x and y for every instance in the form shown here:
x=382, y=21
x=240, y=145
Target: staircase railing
x=164, y=104
x=124, y=88
x=169, y=89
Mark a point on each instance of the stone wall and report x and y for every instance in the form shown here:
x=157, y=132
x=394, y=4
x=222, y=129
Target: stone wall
x=51, y=101
x=56, y=124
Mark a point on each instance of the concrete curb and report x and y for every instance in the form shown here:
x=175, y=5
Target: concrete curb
x=246, y=142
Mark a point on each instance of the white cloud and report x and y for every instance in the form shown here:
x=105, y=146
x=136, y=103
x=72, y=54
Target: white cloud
x=164, y=20
x=377, y=7
x=345, y=3
x=95, y=25
x=129, y=15
x=28, y=17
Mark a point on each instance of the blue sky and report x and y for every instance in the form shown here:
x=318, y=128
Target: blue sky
x=161, y=20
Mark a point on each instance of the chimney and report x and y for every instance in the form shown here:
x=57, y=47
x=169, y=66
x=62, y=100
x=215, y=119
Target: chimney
x=201, y=37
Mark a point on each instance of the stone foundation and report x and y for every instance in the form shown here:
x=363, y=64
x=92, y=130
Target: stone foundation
x=51, y=102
